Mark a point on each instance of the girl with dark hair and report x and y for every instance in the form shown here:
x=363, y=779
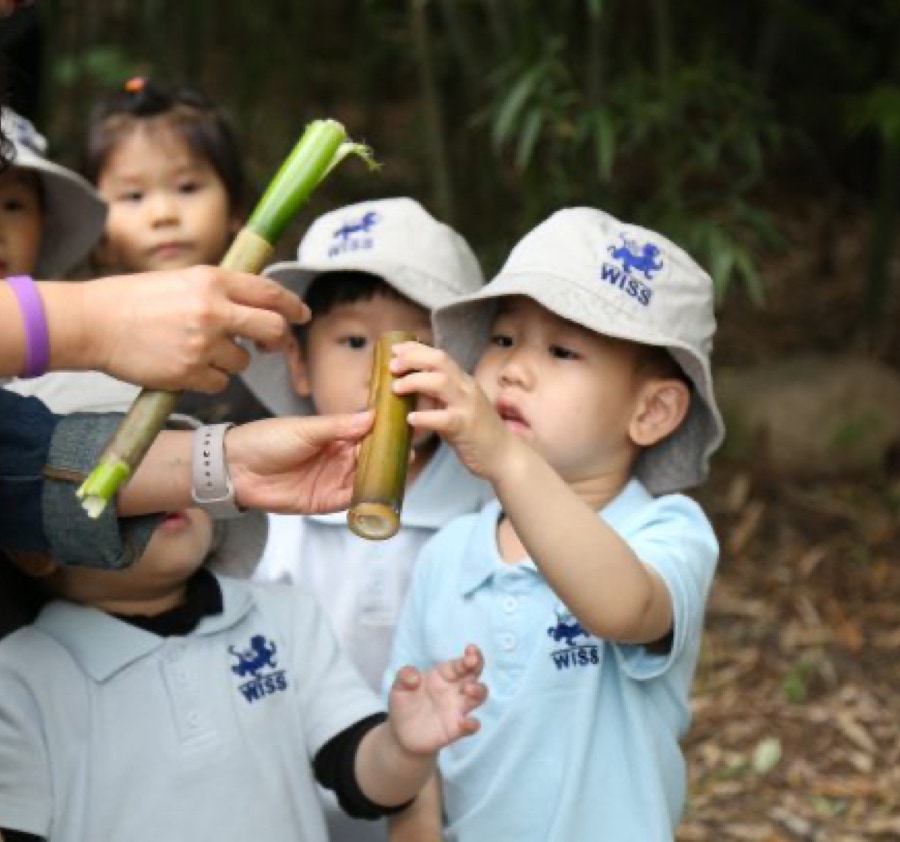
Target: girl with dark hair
x=168, y=164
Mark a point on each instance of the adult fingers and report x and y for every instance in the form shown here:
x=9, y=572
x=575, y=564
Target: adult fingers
x=209, y=380
x=257, y=292
x=267, y=329
x=319, y=430
x=229, y=357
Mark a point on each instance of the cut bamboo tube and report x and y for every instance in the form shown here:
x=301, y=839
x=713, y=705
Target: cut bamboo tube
x=384, y=455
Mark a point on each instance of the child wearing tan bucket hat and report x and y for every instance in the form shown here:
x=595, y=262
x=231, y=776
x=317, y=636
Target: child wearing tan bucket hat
x=63, y=214
x=590, y=406
x=364, y=269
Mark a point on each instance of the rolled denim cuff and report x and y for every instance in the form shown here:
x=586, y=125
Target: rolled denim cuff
x=107, y=542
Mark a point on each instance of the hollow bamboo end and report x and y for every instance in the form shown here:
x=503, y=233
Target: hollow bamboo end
x=373, y=521
x=101, y=485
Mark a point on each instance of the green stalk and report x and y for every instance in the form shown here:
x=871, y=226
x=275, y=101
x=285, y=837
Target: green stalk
x=322, y=147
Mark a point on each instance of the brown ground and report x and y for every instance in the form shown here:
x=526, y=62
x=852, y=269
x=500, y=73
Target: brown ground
x=796, y=733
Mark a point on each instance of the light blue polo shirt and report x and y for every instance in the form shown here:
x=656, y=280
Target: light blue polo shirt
x=580, y=736
x=109, y=732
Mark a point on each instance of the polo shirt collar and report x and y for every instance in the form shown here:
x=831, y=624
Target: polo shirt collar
x=481, y=558
x=443, y=491
x=102, y=645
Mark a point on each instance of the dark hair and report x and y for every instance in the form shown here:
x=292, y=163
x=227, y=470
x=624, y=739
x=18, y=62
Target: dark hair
x=187, y=112
x=656, y=361
x=345, y=287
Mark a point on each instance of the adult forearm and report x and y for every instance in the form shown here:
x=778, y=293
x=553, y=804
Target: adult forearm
x=71, y=346
x=163, y=480
x=387, y=773
x=592, y=569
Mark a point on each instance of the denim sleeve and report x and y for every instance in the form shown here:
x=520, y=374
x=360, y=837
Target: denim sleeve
x=26, y=428
x=74, y=538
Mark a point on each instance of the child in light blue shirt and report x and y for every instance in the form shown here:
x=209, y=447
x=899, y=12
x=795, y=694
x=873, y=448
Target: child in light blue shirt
x=586, y=579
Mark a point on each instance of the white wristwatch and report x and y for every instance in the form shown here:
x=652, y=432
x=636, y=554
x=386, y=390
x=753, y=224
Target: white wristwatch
x=212, y=489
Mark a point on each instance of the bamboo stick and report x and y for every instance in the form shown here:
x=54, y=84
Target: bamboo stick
x=384, y=455
x=322, y=147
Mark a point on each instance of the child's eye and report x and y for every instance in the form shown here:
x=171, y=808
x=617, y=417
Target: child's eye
x=188, y=187
x=561, y=353
x=355, y=343
x=13, y=205
x=131, y=196
x=502, y=340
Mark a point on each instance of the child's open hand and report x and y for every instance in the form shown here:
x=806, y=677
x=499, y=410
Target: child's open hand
x=463, y=414
x=430, y=710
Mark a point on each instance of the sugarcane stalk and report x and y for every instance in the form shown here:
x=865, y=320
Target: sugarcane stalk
x=384, y=455
x=322, y=147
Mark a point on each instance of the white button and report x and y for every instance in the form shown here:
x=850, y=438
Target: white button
x=181, y=675
x=510, y=603
x=193, y=719
x=508, y=642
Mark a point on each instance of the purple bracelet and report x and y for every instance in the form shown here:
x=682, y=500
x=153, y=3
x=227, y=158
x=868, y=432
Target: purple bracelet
x=37, y=336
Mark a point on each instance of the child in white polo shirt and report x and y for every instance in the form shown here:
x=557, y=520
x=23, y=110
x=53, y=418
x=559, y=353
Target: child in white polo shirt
x=363, y=270
x=164, y=702
x=585, y=581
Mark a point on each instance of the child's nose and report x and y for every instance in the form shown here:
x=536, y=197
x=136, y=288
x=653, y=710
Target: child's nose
x=516, y=369
x=163, y=209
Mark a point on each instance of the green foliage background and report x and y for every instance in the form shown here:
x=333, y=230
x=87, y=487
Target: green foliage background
x=691, y=117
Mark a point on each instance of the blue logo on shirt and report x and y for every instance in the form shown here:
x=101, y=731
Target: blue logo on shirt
x=633, y=259
x=567, y=629
x=354, y=236
x=254, y=662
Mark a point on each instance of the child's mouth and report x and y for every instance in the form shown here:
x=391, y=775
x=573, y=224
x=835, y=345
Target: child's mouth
x=511, y=416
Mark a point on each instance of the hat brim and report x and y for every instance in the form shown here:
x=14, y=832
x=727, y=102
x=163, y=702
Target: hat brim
x=679, y=461
x=75, y=215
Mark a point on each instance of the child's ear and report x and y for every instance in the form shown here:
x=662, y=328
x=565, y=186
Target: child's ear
x=661, y=407
x=295, y=357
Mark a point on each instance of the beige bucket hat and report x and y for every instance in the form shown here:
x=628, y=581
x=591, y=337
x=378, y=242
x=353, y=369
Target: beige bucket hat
x=619, y=280
x=396, y=240
x=74, y=212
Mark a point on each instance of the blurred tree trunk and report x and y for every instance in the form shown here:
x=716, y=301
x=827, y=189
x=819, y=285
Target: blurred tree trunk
x=439, y=168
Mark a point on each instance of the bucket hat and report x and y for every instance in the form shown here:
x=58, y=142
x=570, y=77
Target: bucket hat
x=74, y=213
x=394, y=239
x=619, y=280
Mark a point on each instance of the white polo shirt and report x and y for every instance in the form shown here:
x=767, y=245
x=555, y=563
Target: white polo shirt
x=109, y=732
x=579, y=735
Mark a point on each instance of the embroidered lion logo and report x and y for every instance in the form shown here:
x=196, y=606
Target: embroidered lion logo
x=364, y=226
x=566, y=631
x=641, y=259
x=259, y=656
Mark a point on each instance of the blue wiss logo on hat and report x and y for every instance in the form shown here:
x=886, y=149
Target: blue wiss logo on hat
x=637, y=264
x=258, y=662
x=354, y=235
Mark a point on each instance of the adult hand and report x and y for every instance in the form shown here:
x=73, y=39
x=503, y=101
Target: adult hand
x=293, y=465
x=169, y=330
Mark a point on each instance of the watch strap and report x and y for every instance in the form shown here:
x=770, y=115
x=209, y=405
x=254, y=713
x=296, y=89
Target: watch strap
x=211, y=488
